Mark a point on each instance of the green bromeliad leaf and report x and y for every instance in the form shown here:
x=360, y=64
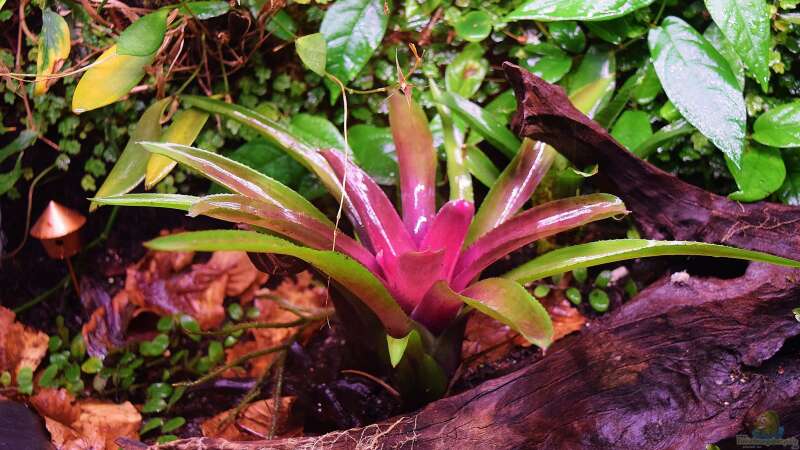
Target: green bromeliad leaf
x=604, y=252
x=237, y=177
x=556, y=10
x=184, y=129
x=483, y=122
x=352, y=276
x=169, y=201
x=509, y=303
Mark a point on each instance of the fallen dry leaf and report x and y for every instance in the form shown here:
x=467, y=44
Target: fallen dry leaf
x=302, y=294
x=20, y=346
x=166, y=283
x=85, y=424
x=253, y=423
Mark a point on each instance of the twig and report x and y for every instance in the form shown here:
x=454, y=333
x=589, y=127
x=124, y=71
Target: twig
x=375, y=379
x=238, y=361
x=31, y=188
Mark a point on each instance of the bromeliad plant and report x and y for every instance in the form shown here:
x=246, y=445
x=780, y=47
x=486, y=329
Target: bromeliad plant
x=418, y=272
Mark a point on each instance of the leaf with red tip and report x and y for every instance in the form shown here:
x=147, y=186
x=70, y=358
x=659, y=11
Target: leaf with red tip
x=508, y=302
x=514, y=187
x=291, y=224
x=383, y=226
x=447, y=232
x=416, y=158
x=351, y=275
x=534, y=224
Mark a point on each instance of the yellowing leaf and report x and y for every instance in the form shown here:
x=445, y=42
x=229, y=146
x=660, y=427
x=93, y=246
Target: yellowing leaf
x=185, y=127
x=110, y=78
x=54, y=45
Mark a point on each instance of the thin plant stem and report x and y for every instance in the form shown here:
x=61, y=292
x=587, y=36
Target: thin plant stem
x=238, y=361
x=42, y=297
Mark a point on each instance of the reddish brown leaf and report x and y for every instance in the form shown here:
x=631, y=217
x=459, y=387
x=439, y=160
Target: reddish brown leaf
x=20, y=346
x=253, y=423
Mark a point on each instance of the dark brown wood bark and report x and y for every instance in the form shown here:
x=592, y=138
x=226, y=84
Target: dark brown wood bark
x=684, y=364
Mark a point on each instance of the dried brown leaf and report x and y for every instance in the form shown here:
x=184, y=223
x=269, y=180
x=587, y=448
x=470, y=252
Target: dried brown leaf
x=253, y=423
x=20, y=346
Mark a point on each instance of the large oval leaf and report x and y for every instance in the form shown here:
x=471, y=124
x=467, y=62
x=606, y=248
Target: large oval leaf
x=746, y=25
x=54, y=45
x=110, y=78
x=699, y=81
x=554, y=10
x=130, y=167
x=779, y=127
x=184, y=129
x=353, y=30
x=373, y=149
x=724, y=47
x=762, y=172
x=144, y=37
x=509, y=303
x=604, y=252
x=353, y=276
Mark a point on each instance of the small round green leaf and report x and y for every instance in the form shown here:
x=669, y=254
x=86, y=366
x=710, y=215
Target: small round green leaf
x=474, y=26
x=599, y=300
x=779, y=127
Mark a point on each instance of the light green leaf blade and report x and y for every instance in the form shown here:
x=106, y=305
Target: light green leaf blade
x=313, y=51
x=54, y=46
x=762, y=172
x=297, y=148
x=746, y=24
x=345, y=271
x=353, y=30
x=699, y=81
x=130, y=167
x=184, y=129
x=556, y=10
x=779, y=127
x=397, y=348
x=480, y=166
x=511, y=304
x=484, y=123
x=144, y=37
x=110, y=78
x=724, y=47
x=237, y=177
x=632, y=129
x=604, y=252
x=169, y=201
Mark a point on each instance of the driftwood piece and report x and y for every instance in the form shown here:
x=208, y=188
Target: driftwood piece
x=686, y=363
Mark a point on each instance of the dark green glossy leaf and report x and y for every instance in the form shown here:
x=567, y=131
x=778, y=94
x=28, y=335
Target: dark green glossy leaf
x=374, y=151
x=649, y=88
x=568, y=35
x=604, y=252
x=351, y=275
x=662, y=137
x=465, y=74
x=551, y=67
x=282, y=25
x=204, y=10
x=313, y=51
x=353, y=30
x=779, y=127
x=746, y=24
x=619, y=30
x=789, y=193
x=632, y=129
x=474, y=26
x=24, y=140
x=611, y=111
x=144, y=37
x=762, y=172
x=592, y=84
x=131, y=165
x=504, y=105
x=699, y=81
x=555, y=10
